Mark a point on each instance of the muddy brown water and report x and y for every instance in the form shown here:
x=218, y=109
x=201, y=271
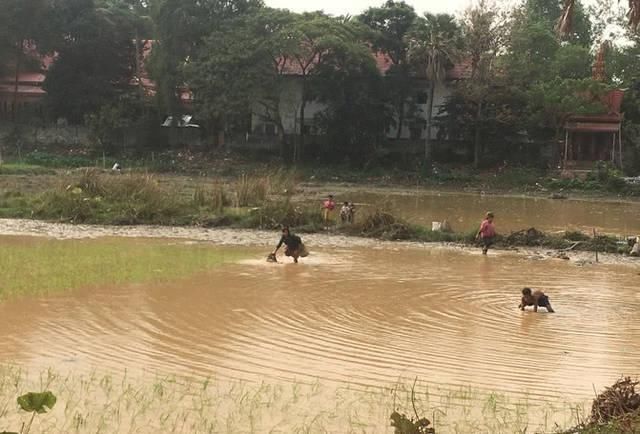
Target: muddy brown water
x=364, y=316
x=464, y=211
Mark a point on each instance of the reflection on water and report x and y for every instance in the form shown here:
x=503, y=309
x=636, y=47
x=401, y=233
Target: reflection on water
x=464, y=211
x=365, y=317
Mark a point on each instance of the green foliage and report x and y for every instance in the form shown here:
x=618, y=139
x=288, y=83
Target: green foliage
x=404, y=425
x=46, y=159
x=390, y=27
x=24, y=169
x=109, y=123
x=95, y=60
x=550, y=102
x=182, y=27
x=107, y=262
x=391, y=23
x=251, y=190
x=349, y=84
x=35, y=402
x=115, y=199
x=532, y=47
x=572, y=61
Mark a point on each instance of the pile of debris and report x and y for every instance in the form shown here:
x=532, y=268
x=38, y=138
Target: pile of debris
x=526, y=237
x=386, y=226
x=617, y=401
x=619, y=405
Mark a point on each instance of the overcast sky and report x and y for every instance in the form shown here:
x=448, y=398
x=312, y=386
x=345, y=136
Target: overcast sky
x=455, y=7
x=355, y=7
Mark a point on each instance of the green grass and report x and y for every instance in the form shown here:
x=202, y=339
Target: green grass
x=24, y=169
x=35, y=266
x=103, y=402
x=259, y=202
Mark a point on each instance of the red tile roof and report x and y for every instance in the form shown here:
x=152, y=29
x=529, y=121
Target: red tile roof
x=26, y=90
x=383, y=62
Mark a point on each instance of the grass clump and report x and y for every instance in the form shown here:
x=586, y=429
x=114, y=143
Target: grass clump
x=72, y=264
x=251, y=191
x=24, y=169
x=113, y=199
x=215, y=199
x=45, y=159
x=274, y=214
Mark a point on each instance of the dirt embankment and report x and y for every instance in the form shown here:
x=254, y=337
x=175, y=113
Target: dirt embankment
x=268, y=239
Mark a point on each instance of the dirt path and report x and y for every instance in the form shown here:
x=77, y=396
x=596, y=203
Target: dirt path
x=268, y=239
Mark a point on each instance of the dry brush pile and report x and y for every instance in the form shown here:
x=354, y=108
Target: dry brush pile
x=616, y=410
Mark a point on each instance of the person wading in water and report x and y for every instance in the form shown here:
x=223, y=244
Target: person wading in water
x=293, y=245
x=487, y=232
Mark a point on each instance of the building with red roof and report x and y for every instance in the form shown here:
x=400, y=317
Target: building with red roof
x=24, y=90
x=590, y=138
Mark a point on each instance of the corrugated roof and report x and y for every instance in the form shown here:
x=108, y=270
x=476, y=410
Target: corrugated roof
x=593, y=127
x=25, y=90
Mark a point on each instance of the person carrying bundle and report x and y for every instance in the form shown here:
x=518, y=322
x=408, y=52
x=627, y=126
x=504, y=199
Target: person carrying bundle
x=293, y=245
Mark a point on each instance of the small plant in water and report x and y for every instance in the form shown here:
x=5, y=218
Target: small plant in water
x=34, y=403
x=405, y=425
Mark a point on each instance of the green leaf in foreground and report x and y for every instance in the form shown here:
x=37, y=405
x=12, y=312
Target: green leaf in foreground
x=37, y=402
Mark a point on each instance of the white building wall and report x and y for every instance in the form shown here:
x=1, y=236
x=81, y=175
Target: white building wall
x=291, y=97
x=441, y=92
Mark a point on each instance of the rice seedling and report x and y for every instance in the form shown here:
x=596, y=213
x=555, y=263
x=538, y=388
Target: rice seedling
x=106, y=261
x=120, y=403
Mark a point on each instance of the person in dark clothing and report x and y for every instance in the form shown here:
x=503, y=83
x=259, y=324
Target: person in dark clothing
x=293, y=246
x=535, y=299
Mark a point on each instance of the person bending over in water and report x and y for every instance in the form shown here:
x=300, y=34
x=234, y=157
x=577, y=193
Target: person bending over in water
x=535, y=299
x=293, y=246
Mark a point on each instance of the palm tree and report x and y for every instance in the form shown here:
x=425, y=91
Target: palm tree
x=433, y=47
x=565, y=23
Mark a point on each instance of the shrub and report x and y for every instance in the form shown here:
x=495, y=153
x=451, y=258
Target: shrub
x=215, y=199
x=122, y=199
x=251, y=191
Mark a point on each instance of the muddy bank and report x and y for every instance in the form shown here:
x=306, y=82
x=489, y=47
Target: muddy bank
x=268, y=239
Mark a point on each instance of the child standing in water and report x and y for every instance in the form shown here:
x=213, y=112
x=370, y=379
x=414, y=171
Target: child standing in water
x=535, y=299
x=487, y=232
x=345, y=212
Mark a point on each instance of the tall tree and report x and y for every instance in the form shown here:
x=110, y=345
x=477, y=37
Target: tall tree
x=95, y=60
x=357, y=113
x=569, y=20
x=181, y=29
x=315, y=34
x=434, y=45
x=391, y=24
x=484, y=31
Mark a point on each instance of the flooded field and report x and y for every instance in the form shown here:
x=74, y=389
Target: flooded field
x=333, y=335
x=464, y=211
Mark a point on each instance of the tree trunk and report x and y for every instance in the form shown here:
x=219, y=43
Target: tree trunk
x=400, y=121
x=300, y=145
x=477, y=146
x=427, y=142
x=14, y=108
x=299, y=152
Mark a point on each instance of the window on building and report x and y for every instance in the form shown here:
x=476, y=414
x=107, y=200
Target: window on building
x=269, y=129
x=416, y=128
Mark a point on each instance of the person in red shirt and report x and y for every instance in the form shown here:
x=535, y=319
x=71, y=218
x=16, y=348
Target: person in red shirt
x=486, y=233
x=327, y=208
